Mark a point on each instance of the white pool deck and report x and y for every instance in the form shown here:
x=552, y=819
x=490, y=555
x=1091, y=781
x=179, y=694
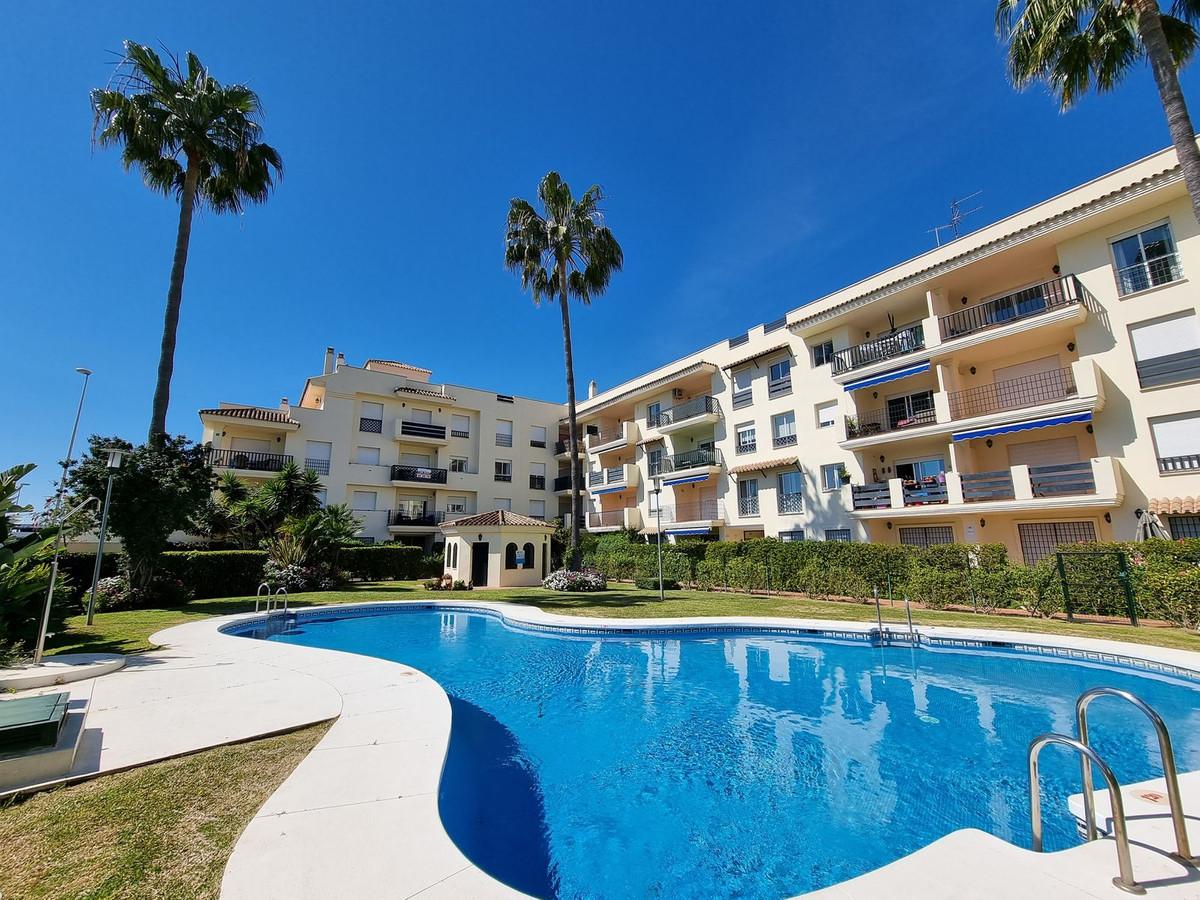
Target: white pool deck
x=358, y=817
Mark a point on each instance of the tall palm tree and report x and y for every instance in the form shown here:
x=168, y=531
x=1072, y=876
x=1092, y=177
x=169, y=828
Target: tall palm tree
x=192, y=137
x=1073, y=44
x=563, y=251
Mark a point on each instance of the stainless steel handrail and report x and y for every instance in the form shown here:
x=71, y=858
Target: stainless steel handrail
x=1170, y=774
x=264, y=590
x=1120, y=830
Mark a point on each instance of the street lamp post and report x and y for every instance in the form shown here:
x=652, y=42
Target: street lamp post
x=62, y=489
x=114, y=462
x=657, y=492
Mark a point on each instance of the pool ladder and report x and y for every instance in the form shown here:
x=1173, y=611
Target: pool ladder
x=1088, y=758
x=263, y=595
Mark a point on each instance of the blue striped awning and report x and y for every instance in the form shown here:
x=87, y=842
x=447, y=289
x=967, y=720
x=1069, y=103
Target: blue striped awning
x=682, y=531
x=612, y=490
x=1028, y=425
x=914, y=369
x=689, y=480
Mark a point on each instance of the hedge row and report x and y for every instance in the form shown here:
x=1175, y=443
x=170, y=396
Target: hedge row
x=387, y=562
x=215, y=573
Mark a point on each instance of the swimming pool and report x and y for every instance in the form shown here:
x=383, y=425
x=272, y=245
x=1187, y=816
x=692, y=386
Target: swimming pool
x=739, y=763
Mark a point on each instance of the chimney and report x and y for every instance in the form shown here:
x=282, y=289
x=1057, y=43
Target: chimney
x=285, y=407
x=341, y=361
x=328, y=367
x=592, y=388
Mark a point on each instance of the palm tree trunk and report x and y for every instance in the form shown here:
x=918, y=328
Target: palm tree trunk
x=1166, y=77
x=572, y=424
x=166, y=355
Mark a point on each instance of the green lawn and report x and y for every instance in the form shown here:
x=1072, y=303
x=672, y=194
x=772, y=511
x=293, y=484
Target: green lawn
x=129, y=632
x=164, y=830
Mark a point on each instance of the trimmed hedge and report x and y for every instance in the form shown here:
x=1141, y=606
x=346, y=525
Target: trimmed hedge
x=78, y=568
x=215, y=573
x=386, y=562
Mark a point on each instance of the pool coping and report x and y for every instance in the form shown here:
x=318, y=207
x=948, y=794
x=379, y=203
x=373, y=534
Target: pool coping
x=330, y=827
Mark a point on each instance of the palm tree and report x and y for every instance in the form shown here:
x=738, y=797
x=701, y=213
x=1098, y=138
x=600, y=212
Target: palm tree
x=1071, y=44
x=563, y=251
x=192, y=137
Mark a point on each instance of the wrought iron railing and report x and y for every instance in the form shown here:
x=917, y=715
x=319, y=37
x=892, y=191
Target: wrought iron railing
x=1016, y=393
x=1022, y=304
x=874, y=495
x=698, y=406
x=421, y=474
x=534, y=442
x=748, y=506
x=562, y=483
x=791, y=503
x=1185, y=463
x=696, y=511
x=503, y=476
x=784, y=440
x=1149, y=273
x=1065, y=478
x=423, y=429
x=537, y=482
x=692, y=459
x=459, y=433
x=903, y=340
x=881, y=421
x=747, y=446
x=419, y=518
x=371, y=426
x=320, y=466
x=979, y=487
x=250, y=460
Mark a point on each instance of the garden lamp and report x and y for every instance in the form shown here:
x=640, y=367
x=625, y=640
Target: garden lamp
x=115, y=455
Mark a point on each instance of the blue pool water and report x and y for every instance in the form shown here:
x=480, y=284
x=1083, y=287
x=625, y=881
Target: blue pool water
x=741, y=764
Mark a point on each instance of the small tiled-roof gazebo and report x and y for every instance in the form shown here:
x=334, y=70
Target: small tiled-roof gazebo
x=497, y=549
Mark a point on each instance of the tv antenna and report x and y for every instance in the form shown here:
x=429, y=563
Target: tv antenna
x=957, y=214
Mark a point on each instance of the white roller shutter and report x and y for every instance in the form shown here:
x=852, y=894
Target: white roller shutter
x=415, y=459
x=1054, y=452
x=1177, y=437
x=1165, y=337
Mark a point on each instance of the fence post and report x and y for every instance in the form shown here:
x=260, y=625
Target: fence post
x=1123, y=575
x=970, y=582
x=1062, y=577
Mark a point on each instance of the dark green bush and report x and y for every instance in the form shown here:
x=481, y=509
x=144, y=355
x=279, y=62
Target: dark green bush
x=650, y=583
x=78, y=568
x=938, y=588
x=1176, y=594
x=388, y=562
x=214, y=573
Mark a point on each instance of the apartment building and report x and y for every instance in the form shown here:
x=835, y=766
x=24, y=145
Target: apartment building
x=404, y=453
x=1031, y=383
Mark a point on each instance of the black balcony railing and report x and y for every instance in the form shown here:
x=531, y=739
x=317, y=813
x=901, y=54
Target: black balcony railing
x=876, y=495
x=779, y=388
x=1149, y=273
x=696, y=511
x=250, y=460
x=742, y=398
x=371, y=426
x=606, y=518
x=1066, y=478
x=791, y=503
x=979, y=487
x=881, y=421
x=901, y=341
x=503, y=440
x=698, y=406
x=692, y=459
x=1186, y=463
x=320, y=466
x=423, y=430
x=459, y=433
x=562, y=446
x=748, y=506
x=1022, y=304
x=1017, y=393
x=533, y=442
x=419, y=474
x=537, y=482
x=784, y=440
x=503, y=476
x=562, y=483
x=417, y=518
x=747, y=445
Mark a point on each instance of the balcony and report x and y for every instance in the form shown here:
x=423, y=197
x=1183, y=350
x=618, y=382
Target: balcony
x=247, y=460
x=790, y=504
x=612, y=479
x=888, y=419
x=562, y=484
x=320, y=466
x=561, y=450
x=900, y=342
x=1019, y=393
x=784, y=440
x=1149, y=273
x=1022, y=304
x=416, y=518
x=1078, y=486
x=696, y=514
x=370, y=426
x=1187, y=463
x=612, y=437
x=746, y=445
x=628, y=517
x=691, y=464
x=418, y=475
x=748, y=507
x=421, y=433
x=697, y=411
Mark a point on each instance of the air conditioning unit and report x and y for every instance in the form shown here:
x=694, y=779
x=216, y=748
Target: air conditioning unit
x=677, y=393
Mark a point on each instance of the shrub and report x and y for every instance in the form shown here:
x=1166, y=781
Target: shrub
x=1038, y=589
x=937, y=588
x=216, y=573
x=994, y=589
x=115, y=593
x=78, y=568
x=1176, y=594
x=651, y=583
x=565, y=580
x=848, y=583
x=387, y=562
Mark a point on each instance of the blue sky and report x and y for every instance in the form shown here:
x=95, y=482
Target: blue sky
x=755, y=156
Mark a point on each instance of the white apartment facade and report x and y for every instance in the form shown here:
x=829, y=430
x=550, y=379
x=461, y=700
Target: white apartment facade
x=405, y=454
x=1032, y=383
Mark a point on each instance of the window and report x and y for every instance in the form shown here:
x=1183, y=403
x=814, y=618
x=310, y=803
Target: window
x=783, y=428
x=460, y=426
x=363, y=500
x=747, y=441
x=504, y=470
x=924, y=471
x=1183, y=526
x=367, y=456
x=838, y=534
x=537, y=436
x=504, y=433
x=796, y=534
x=317, y=455
x=911, y=409
x=1166, y=351
x=371, y=418
x=791, y=493
x=780, y=380
x=1041, y=539
x=1177, y=442
x=528, y=552
x=654, y=459
x=653, y=412
x=504, y=503
x=1146, y=260
x=827, y=414
x=510, y=556
x=457, y=505
x=743, y=394
x=423, y=416
x=458, y=464
x=822, y=353
x=537, y=476
x=831, y=477
x=537, y=509
x=323, y=497
x=927, y=536
x=748, y=497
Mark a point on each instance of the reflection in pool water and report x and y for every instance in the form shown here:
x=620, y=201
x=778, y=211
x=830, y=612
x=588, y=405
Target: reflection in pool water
x=741, y=765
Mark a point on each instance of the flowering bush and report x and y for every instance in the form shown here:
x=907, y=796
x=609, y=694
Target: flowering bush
x=564, y=580
x=446, y=583
x=117, y=593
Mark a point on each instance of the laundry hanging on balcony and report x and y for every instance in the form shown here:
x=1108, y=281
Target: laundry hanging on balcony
x=1028, y=425
x=915, y=369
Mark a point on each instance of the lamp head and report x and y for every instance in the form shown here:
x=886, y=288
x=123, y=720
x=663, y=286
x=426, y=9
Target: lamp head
x=115, y=454
x=83, y=371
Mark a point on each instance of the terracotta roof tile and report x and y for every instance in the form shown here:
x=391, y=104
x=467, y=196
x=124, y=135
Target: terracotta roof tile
x=251, y=412
x=765, y=465
x=1174, y=505
x=497, y=517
